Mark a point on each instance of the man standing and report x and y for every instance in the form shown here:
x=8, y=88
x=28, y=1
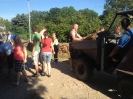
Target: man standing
x=10, y=37
x=36, y=37
x=4, y=37
x=74, y=36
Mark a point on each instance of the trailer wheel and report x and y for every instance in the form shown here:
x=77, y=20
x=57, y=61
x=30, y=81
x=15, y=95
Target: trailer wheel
x=126, y=88
x=83, y=70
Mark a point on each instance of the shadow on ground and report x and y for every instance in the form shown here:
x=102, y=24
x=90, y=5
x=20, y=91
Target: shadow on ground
x=34, y=90
x=25, y=90
x=102, y=83
x=64, y=67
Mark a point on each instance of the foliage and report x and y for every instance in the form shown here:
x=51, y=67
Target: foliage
x=59, y=20
x=5, y=23
x=20, y=24
x=111, y=7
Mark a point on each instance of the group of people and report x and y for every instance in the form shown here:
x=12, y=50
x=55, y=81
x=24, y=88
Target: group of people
x=42, y=52
x=6, y=37
x=16, y=54
x=44, y=46
x=125, y=40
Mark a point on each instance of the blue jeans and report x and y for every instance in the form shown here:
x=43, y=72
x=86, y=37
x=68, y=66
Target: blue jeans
x=46, y=57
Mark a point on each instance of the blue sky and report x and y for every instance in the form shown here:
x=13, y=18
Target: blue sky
x=10, y=8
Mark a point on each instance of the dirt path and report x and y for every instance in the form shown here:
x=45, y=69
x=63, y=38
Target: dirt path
x=63, y=84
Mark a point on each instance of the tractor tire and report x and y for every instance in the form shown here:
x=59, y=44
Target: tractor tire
x=126, y=88
x=83, y=70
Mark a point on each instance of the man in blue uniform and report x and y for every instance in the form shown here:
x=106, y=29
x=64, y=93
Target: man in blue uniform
x=126, y=40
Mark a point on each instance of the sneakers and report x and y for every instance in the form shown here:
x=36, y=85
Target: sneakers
x=15, y=83
x=36, y=75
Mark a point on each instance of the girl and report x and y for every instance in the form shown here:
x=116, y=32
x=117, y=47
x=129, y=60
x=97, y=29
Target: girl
x=56, y=47
x=20, y=58
x=46, y=43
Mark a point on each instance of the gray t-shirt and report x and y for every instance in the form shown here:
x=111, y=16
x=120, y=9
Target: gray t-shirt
x=4, y=38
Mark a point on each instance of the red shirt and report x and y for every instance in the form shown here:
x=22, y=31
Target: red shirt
x=18, y=53
x=48, y=42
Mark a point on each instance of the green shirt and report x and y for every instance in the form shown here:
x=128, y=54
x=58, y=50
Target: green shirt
x=37, y=38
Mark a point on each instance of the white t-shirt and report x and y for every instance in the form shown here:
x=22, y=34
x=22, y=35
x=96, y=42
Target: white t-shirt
x=55, y=41
x=9, y=37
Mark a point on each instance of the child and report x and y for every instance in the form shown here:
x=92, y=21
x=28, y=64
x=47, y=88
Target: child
x=20, y=58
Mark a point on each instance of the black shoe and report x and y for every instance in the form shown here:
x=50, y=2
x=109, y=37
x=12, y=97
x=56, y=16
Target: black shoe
x=36, y=75
x=56, y=61
x=49, y=75
x=43, y=74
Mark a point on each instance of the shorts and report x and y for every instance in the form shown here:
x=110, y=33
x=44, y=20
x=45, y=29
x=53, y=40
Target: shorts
x=19, y=65
x=72, y=51
x=46, y=57
x=36, y=57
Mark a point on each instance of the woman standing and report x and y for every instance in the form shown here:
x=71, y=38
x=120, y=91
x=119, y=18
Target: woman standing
x=46, y=43
x=20, y=58
x=56, y=47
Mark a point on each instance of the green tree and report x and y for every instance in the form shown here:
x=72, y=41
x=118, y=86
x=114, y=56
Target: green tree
x=20, y=23
x=113, y=6
x=5, y=23
x=59, y=20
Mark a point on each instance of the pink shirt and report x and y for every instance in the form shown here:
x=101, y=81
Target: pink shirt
x=18, y=53
x=47, y=48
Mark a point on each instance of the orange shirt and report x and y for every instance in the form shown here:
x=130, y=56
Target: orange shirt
x=18, y=53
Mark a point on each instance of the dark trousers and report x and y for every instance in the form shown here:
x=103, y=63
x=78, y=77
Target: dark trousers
x=10, y=61
x=56, y=49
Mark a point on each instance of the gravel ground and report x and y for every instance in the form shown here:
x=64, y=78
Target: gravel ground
x=63, y=84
